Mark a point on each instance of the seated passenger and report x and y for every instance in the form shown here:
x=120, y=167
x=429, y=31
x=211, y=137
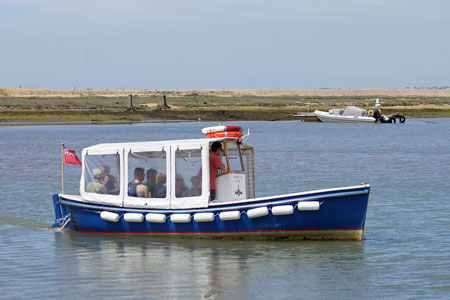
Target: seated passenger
x=136, y=188
x=96, y=185
x=196, y=189
x=151, y=180
x=142, y=191
x=160, y=188
x=181, y=190
x=109, y=181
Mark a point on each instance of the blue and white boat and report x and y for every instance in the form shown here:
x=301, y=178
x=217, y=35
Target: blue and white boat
x=184, y=207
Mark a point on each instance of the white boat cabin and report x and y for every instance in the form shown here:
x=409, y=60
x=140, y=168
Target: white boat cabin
x=177, y=171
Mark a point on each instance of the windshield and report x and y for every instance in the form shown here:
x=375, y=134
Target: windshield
x=236, y=161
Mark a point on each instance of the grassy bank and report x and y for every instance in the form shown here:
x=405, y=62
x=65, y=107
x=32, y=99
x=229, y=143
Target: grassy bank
x=205, y=114
x=55, y=105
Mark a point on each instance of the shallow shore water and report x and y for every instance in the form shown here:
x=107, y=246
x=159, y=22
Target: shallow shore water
x=403, y=255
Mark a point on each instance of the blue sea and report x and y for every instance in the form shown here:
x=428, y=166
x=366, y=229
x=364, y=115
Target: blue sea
x=405, y=252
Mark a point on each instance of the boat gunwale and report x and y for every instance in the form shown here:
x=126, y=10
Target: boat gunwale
x=226, y=206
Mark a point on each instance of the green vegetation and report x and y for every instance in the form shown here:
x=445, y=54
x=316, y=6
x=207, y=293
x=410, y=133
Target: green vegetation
x=193, y=106
x=195, y=100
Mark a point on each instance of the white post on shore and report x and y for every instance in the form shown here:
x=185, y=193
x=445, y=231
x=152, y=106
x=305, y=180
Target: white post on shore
x=62, y=167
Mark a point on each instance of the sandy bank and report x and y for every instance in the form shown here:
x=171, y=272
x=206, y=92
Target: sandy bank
x=30, y=92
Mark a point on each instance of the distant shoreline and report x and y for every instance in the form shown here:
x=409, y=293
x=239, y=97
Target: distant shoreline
x=89, y=106
x=48, y=93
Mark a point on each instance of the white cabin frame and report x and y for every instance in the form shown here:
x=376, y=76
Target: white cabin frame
x=170, y=148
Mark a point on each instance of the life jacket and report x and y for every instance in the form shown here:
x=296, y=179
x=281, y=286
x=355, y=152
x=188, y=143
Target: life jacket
x=132, y=186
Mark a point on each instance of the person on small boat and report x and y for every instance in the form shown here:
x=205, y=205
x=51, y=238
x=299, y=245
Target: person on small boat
x=196, y=189
x=215, y=163
x=160, y=188
x=96, y=185
x=109, y=181
x=151, y=180
x=181, y=190
x=136, y=188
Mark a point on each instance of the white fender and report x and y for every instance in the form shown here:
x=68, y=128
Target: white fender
x=282, y=210
x=180, y=218
x=110, y=216
x=230, y=215
x=133, y=217
x=155, y=218
x=204, y=217
x=258, y=212
x=308, y=205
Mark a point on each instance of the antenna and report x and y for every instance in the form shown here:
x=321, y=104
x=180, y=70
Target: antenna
x=377, y=103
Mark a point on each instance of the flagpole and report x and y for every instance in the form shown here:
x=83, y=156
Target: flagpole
x=62, y=166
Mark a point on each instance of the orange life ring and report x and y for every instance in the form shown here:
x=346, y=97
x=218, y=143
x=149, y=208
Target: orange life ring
x=223, y=134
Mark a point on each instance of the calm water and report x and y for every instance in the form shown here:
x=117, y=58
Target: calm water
x=405, y=253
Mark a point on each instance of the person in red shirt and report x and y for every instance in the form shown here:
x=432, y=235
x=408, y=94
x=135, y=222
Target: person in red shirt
x=215, y=163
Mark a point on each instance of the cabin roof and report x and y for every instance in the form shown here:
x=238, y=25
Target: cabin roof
x=203, y=141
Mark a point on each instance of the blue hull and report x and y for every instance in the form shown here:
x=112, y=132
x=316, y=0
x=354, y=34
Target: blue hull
x=341, y=215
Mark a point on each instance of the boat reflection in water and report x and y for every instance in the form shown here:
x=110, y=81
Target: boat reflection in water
x=205, y=269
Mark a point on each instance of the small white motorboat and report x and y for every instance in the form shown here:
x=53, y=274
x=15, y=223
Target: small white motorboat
x=351, y=114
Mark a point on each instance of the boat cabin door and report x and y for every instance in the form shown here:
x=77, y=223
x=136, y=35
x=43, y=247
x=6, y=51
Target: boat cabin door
x=232, y=186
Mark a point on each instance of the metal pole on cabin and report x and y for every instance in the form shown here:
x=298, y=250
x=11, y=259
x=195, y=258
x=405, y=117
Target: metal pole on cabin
x=130, y=100
x=62, y=167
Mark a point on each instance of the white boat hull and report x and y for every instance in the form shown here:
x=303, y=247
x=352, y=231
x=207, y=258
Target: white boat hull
x=330, y=118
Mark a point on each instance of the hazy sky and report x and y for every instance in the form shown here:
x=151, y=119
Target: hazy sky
x=230, y=44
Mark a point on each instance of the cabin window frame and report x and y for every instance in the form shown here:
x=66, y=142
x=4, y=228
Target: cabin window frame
x=138, y=202
x=240, y=154
x=109, y=199
x=196, y=201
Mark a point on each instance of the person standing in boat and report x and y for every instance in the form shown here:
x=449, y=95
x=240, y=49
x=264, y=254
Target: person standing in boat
x=109, y=181
x=96, y=185
x=215, y=163
x=136, y=188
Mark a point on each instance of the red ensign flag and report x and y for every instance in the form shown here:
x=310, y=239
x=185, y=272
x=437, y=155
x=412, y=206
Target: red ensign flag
x=70, y=157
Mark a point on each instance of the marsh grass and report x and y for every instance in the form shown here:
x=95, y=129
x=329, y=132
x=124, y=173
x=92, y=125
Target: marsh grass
x=192, y=105
x=208, y=101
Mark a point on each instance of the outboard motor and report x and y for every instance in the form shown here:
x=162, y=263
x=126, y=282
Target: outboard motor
x=385, y=119
x=378, y=114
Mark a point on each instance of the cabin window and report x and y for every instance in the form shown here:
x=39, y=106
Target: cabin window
x=147, y=174
x=188, y=177
x=102, y=174
x=236, y=160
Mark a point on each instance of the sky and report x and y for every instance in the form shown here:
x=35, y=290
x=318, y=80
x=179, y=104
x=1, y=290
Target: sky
x=231, y=44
